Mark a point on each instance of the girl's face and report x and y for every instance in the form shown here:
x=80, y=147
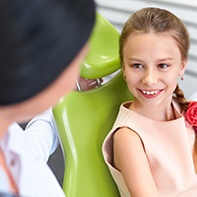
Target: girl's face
x=152, y=64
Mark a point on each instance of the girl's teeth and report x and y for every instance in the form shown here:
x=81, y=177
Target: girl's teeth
x=150, y=92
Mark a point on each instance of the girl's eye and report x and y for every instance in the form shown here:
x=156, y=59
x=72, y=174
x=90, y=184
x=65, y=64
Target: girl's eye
x=137, y=66
x=163, y=66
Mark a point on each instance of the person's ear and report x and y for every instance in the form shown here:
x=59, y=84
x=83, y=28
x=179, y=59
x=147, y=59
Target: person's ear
x=123, y=67
x=183, y=67
x=123, y=71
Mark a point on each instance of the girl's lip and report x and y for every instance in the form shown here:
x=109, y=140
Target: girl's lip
x=150, y=93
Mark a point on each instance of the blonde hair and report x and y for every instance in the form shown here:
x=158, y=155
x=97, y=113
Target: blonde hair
x=158, y=21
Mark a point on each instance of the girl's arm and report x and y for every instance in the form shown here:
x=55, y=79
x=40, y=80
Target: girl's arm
x=131, y=160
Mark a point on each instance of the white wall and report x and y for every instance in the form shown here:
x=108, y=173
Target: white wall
x=117, y=12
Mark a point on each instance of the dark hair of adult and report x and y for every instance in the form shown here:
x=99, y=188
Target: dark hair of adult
x=38, y=39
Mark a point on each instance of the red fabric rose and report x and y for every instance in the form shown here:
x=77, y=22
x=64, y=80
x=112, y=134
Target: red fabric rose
x=191, y=114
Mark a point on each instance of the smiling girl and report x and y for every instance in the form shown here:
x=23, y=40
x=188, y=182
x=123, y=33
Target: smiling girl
x=150, y=149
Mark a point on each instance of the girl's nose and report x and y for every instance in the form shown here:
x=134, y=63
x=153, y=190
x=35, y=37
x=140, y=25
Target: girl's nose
x=150, y=77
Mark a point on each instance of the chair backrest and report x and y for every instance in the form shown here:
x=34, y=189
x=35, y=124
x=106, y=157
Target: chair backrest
x=83, y=120
x=103, y=56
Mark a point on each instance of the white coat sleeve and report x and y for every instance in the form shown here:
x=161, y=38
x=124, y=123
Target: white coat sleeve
x=42, y=136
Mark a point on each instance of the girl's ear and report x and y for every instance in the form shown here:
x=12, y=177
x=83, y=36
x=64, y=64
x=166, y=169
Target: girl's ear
x=183, y=67
x=123, y=70
x=123, y=67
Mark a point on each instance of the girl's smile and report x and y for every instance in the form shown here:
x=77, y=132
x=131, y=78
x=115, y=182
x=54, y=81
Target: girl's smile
x=150, y=93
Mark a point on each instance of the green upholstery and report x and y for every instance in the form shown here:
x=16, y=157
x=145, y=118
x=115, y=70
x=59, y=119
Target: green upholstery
x=103, y=57
x=83, y=120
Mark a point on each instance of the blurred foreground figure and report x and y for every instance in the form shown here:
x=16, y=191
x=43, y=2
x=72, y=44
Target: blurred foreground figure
x=42, y=46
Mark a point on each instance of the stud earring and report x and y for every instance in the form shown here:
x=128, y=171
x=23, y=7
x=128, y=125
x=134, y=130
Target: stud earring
x=182, y=78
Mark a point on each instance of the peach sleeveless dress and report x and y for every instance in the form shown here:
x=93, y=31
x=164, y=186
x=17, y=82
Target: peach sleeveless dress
x=168, y=147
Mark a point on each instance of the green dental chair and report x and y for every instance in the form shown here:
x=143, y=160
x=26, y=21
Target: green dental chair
x=84, y=118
